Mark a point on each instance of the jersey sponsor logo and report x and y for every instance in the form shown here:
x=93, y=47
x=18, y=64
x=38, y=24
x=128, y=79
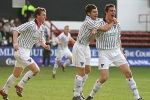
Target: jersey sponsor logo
x=110, y=34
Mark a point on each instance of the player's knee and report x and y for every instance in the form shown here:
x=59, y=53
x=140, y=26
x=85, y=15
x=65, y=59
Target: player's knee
x=104, y=78
x=128, y=74
x=36, y=71
x=87, y=71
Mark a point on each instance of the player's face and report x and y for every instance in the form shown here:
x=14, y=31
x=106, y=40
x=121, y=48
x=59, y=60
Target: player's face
x=67, y=30
x=93, y=14
x=111, y=13
x=42, y=16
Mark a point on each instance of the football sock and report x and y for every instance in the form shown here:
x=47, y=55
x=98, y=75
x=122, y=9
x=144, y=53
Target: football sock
x=9, y=83
x=133, y=87
x=95, y=89
x=78, y=85
x=67, y=62
x=84, y=79
x=55, y=68
x=26, y=78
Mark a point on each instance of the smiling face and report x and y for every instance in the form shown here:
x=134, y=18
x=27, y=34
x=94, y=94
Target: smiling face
x=42, y=17
x=40, y=14
x=91, y=11
x=111, y=13
x=93, y=14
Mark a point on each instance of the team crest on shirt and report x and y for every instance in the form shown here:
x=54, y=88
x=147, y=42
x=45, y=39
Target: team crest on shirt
x=81, y=63
x=102, y=65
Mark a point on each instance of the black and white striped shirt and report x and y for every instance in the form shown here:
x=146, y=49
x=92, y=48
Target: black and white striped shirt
x=30, y=34
x=86, y=29
x=108, y=39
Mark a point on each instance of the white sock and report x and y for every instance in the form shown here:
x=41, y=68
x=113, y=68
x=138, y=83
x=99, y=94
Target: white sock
x=133, y=87
x=95, y=89
x=9, y=83
x=67, y=62
x=26, y=78
x=84, y=79
x=55, y=68
x=78, y=85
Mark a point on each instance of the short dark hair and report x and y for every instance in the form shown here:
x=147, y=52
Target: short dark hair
x=108, y=6
x=89, y=8
x=38, y=11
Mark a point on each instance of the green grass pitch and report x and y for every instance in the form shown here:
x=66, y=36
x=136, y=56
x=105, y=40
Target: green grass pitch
x=44, y=87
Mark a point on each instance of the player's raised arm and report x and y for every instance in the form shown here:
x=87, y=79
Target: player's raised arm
x=108, y=26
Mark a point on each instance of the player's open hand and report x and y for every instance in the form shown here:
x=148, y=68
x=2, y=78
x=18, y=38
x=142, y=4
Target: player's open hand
x=47, y=47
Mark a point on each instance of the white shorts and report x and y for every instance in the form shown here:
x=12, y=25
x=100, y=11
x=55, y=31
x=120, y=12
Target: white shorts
x=63, y=53
x=107, y=57
x=81, y=55
x=23, y=58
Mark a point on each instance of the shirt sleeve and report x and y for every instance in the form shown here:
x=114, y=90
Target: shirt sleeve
x=70, y=36
x=91, y=24
x=59, y=37
x=119, y=29
x=23, y=27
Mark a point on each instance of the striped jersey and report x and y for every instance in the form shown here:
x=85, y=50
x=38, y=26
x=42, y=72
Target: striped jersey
x=86, y=30
x=30, y=34
x=64, y=39
x=108, y=39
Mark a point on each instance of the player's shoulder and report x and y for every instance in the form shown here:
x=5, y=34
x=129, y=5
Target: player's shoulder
x=61, y=34
x=30, y=23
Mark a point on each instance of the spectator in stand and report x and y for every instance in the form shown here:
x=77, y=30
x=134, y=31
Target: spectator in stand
x=0, y=36
x=5, y=41
x=1, y=26
x=2, y=43
x=6, y=34
x=28, y=9
x=17, y=22
x=7, y=27
x=10, y=41
x=12, y=27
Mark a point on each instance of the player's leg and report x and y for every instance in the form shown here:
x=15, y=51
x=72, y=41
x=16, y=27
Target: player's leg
x=57, y=62
x=12, y=78
x=123, y=65
x=79, y=62
x=68, y=54
x=87, y=64
x=33, y=70
x=104, y=63
x=87, y=68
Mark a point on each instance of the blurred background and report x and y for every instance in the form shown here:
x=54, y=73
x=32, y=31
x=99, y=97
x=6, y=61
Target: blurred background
x=133, y=15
